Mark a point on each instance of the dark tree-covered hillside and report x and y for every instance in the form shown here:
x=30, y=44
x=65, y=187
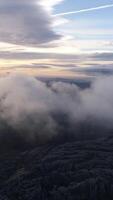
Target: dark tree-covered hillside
x=68, y=171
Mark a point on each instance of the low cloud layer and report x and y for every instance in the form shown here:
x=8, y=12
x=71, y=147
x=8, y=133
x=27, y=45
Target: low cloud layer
x=34, y=111
x=61, y=57
x=26, y=23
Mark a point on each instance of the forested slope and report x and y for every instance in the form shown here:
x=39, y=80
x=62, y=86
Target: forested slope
x=81, y=170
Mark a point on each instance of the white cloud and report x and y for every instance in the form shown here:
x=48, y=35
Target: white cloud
x=50, y=3
x=34, y=108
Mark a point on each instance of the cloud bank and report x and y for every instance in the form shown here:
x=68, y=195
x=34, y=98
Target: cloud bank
x=33, y=111
x=25, y=23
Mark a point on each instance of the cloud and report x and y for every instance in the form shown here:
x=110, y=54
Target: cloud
x=93, y=70
x=24, y=108
x=106, y=56
x=50, y=3
x=37, y=112
x=26, y=23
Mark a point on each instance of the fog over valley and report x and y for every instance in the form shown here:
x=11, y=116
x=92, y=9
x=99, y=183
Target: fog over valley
x=35, y=112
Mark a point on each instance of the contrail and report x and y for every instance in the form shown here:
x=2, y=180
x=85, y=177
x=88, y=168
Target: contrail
x=85, y=10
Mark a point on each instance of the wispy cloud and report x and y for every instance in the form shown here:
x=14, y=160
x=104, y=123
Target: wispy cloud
x=85, y=10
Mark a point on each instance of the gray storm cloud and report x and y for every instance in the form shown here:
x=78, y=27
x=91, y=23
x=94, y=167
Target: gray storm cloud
x=25, y=23
x=37, y=111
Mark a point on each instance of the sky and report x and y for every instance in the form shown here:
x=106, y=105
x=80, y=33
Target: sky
x=58, y=38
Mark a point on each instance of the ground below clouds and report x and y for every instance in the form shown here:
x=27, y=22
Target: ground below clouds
x=75, y=170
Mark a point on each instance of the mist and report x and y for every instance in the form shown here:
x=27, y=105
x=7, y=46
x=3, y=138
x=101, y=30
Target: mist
x=31, y=112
